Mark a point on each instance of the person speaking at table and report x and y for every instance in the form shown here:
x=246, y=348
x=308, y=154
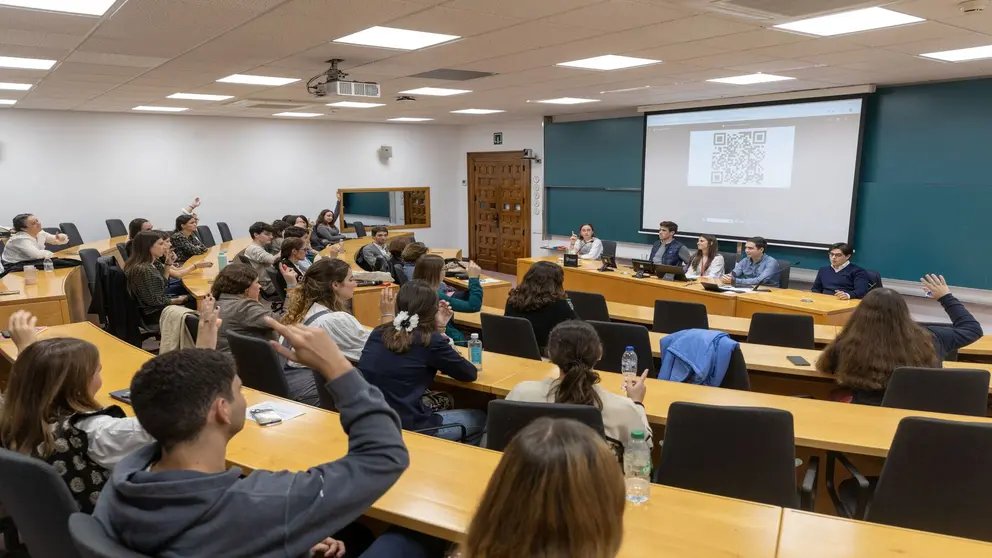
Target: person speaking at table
x=841, y=278
x=586, y=245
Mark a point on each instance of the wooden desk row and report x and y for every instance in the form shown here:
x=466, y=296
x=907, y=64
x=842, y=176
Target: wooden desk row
x=439, y=492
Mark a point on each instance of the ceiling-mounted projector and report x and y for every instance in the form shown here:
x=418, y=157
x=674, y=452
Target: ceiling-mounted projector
x=333, y=83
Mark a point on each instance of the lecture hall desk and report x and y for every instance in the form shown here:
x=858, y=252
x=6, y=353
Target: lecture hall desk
x=621, y=286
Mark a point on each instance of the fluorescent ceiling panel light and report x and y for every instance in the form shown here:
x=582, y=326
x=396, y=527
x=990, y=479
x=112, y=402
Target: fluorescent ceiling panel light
x=15, y=86
x=298, y=114
x=435, y=91
x=355, y=104
x=609, y=62
x=160, y=109
x=257, y=80
x=567, y=101
x=85, y=7
x=408, y=119
x=750, y=79
x=849, y=22
x=391, y=37
x=959, y=55
x=26, y=63
x=7, y=102
x=477, y=111
x=200, y=97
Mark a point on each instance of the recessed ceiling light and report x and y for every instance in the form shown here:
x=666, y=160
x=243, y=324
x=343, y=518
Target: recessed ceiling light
x=86, y=7
x=391, y=37
x=959, y=55
x=257, y=80
x=298, y=114
x=750, y=79
x=408, y=119
x=435, y=91
x=15, y=86
x=609, y=62
x=567, y=101
x=161, y=109
x=200, y=97
x=477, y=111
x=355, y=104
x=26, y=63
x=7, y=102
x=849, y=22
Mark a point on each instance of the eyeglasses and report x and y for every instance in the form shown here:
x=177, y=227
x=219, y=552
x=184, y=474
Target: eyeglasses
x=836, y=254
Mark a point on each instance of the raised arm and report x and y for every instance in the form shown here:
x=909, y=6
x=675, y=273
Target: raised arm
x=964, y=329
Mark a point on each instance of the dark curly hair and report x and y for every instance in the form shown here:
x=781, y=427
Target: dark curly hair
x=543, y=284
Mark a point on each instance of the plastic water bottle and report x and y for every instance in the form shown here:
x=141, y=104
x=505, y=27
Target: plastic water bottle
x=628, y=363
x=637, y=468
x=221, y=260
x=30, y=275
x=49, y=266
x=475, y=350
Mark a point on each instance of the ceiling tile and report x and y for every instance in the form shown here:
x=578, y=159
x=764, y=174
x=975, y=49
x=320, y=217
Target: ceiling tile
x=523, y=9
x=810, y=47
x=46, y=22
x=916, y=32
x=729, y=59
x=681, y=51
x=758, y=38
x=963, y=40
x=36, y=39
x=617, y=15
x=463, y=23
x=116, y=59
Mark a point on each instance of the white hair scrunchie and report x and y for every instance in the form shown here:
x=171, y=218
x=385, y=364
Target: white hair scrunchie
x=405, y=322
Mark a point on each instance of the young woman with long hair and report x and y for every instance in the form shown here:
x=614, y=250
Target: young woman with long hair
x=707, y=261
x=395, y=261
x=185, y=241
x=574, y=347
x=402, y=356
x=136, y=226
x=586, y=245
x=327, y=230
x=430, y=269
x=147, y=273
x=881, y=336
x=557, y=492
x=540, y=298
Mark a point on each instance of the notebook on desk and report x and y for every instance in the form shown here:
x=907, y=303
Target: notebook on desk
x=714, y=288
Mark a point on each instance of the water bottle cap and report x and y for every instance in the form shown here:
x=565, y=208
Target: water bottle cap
x=637, y=435
x=630, y=348
x=475, y=336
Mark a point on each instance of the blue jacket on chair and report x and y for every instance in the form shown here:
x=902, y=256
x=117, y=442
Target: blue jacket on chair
x=696, y=356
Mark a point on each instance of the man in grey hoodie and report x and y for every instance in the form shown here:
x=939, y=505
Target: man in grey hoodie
x=176, y=497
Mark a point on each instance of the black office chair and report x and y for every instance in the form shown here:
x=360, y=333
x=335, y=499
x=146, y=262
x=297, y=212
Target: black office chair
x=671, y=316
x=89, y=257
x=589, y=306
x=509, y=336
x=72, y=232
x=359, y=229
x=609, y=248
x=278, y=283
x=936, y=479
x=874, y=279
x=739, y=452
x=54, y=247
x=616, y=338
x=225, y=232
x=326, y=399
x=506, y=418
x=93, y=542
x=116, y=227
x=259, y=365
x=939, y=390
x=782, y=330
x=122, y=248
x=362, y=262
x=192, y=322
x=40, y=504
x=737, y=376
x=786, y=272
x=2, y=244
x=729, y=261
x=206, y=237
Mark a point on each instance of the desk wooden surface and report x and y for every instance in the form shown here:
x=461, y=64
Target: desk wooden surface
x=106, y=247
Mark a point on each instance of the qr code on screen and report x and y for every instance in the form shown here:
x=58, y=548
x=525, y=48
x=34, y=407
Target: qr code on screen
x=739, y=157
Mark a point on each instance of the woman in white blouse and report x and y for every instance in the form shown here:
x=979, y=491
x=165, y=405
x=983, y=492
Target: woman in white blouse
x=586, y=245
x=707, y=261
x=28, y=241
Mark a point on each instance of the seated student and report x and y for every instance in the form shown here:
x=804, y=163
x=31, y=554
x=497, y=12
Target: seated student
x=178, y=497
x=173, y=283
x=707, y=261
x=134, y=227
x=185, y=241
x=293, y=252
x=541, y=299
x=667, y=250
x=27, y=243
x=574, y=347
x=841, y=278
x=258, y=255
x=327, y=229
x=278, y=229
x=237, y=290
x=757, y=268
x=402, y=356
x=147, y=273
x=49, y=411
x=430, y=269
x=299, y=232
x=376, y=250
x=556, y=492
x=395, y=261
x=586, y=245
x=410, y=255
x=881, y=336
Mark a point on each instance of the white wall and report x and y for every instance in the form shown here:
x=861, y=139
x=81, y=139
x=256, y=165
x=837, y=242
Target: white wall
x=88, y=167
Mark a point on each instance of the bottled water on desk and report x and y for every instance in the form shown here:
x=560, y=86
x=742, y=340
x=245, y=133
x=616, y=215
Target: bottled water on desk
x=475, y=350
x=49, y=266
x=637, y=468
x=221, y=260
x=628, y=364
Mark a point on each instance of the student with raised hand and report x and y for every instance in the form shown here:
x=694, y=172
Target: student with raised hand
x=173, y=283
x=147, y=274
x=540, y=299
x=707, y=261
x=185, y=241
x=557, y=492
x=377, y=250
x=574, y=347
x=237, y=291
x=881, y=336
x=430, y=269
x=758, y=268
x=191, y=208
x=841, y=278
x=177, y=496
x=27, y=243
x=586, y=245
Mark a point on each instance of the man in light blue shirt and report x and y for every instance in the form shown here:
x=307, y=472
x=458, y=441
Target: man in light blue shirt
x=757, y=268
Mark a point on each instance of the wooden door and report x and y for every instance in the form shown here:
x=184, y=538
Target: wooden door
x=498, y=209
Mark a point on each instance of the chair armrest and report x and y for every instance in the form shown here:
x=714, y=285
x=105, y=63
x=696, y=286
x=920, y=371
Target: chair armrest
x=864, y=486
x=434, y=429
x=807, y=491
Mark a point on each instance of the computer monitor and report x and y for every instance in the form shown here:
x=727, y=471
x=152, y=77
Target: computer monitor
x=609, y=262
x=676, y=270
x=642, y=267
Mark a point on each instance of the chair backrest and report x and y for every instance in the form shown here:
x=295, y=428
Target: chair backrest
x=589, y=306
x=616, y=338
x=192, y=322
x=89, y=258
x=739, y=452
x=782, y=330
x=671, y=316
x=93, y=542
x=874, y=279
x=116, y=227
x=259, y=366
x=506, y=418
x=241, y=257
x=509, y=336
x=936, y=478
x=225, y=232
x=326, y=399
x=609, y=248
x=729, y=261
x=40, y=504
x=2, y=244
x=362, y=262
x=54, y=247
x=939, y=390
x=207, y=237
x=70, y=230
x=359, y=229
x=737, y=376
x=277, y=282
x=786, y=272
x=122, y=248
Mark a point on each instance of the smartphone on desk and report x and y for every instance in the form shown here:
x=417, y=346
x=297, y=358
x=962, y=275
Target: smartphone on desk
x=122, y=395
x=798, y=360
x=265, y=417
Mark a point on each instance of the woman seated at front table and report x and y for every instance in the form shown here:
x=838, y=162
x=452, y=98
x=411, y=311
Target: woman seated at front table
x=430, y=269
x=881, y=336
x=237, y=290
x=327, y=230
x=403, y=355
x=28, y=241
x=540, y=298
x=707, y=261
x=185, y=241
x=147, y=274
x=586, y=245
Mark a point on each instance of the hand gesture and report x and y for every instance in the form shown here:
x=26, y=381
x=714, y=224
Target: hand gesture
x=21, y=326
x=333, y=250
x=311, y=347
x=635, y=387
x=328, y=548
x=170, y=259
x=387, y=301
x=573, y=238
x=289, y=274
x=195, y=204
x=444, y=315
x=842, y=295
x=206, y=337
x=61, y=237
x=203, y=264
x=473, y=270
x=936, y=285
x=727, y=279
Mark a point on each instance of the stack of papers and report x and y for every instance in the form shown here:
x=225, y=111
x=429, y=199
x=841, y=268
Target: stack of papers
x=284, y=411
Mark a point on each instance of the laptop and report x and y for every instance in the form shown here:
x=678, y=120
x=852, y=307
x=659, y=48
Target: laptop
x=714, y=288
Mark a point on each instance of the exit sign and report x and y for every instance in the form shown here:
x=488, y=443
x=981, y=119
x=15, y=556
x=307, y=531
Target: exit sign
x=498, y=138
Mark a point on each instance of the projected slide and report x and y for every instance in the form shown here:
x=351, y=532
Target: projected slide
x=744, y=158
